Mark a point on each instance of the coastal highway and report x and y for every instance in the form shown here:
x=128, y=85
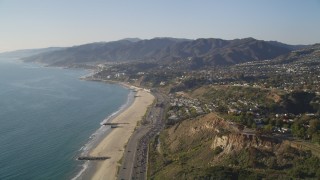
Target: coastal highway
x=135, y=159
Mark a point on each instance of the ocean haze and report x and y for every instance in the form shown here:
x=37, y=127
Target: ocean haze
x=46, y=116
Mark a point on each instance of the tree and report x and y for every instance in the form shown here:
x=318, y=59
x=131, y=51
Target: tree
x=268, y=128
x=314, y=126
x=254, y=125
x=279, y=123
x=250, y=122
x=193, y=112
x=298, y=130
x=222, y=109
x=316, y=137
x=314, y=130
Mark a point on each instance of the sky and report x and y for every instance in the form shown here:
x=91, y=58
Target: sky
x=26, y=24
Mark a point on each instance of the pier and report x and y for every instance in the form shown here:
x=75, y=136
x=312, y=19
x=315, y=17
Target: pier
x=114, y=124
x=92, y=158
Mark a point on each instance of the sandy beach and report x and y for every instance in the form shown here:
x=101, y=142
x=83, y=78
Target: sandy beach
x=113, y=144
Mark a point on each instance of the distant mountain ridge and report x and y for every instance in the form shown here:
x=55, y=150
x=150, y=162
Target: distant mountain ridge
x=28, y=52
x=208, y=51
x=115, y=51
x=227, y=52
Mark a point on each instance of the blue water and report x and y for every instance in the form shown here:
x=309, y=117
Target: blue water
x=46, y=116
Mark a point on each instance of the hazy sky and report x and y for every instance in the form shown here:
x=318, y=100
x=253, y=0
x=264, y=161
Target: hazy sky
x=44, y=23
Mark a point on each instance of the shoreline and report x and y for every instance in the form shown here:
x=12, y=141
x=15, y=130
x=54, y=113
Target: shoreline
x=111, y=142
x=87, y=167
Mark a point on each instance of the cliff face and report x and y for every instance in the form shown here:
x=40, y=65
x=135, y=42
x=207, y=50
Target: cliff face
x=218, y=133
x=209, y=147
x=191, y=132
x=232, y=143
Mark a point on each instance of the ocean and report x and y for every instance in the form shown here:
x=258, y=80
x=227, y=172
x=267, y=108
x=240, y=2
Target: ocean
x=47, y=115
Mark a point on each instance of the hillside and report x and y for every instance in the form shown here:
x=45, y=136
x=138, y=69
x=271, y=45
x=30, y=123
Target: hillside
x=300, y=55
x=210, y=148
x=200, y=52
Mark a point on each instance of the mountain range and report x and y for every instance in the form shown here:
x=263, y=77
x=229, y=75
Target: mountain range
x=205, y=52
